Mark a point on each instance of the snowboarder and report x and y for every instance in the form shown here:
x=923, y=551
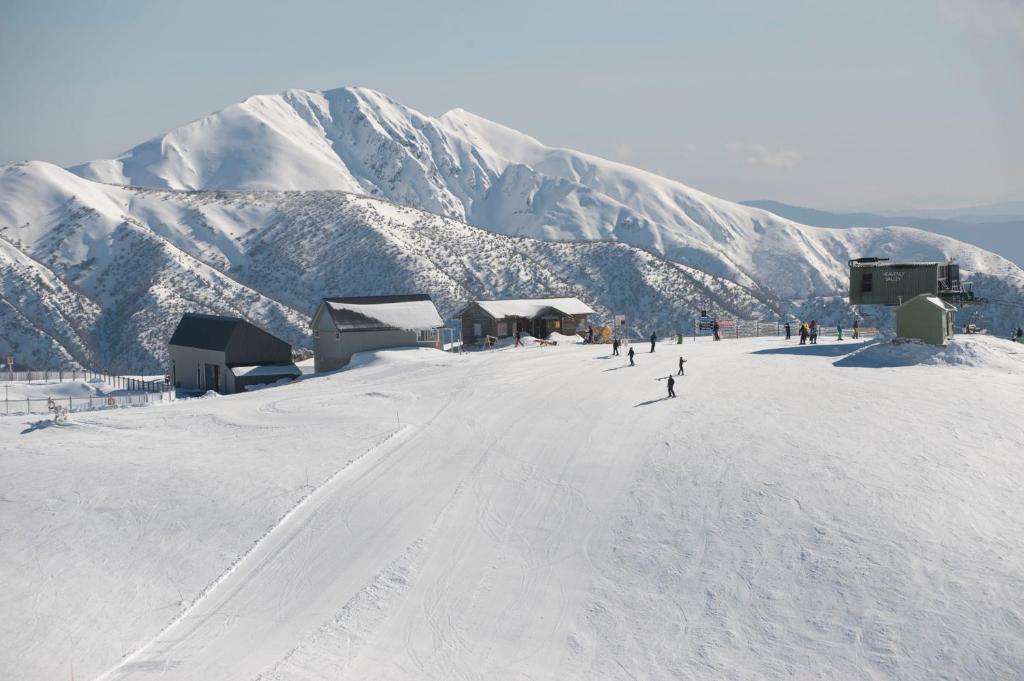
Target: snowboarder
x=654, y=339
x=615, y=346
x=631, y=357
x=682, y=361
x=671, y=386
x=839, y=331
x=856, y=328
x=519, y=339
x=804, y=333
x=715, y=328
x=788, y=333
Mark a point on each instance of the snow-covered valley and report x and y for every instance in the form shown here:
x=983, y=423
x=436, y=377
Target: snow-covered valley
x=847, y=510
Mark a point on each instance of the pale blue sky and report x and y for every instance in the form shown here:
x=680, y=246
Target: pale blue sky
x=865, y=104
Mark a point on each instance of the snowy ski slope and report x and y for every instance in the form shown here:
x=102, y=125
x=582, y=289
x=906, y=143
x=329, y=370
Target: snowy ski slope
x=814, y=512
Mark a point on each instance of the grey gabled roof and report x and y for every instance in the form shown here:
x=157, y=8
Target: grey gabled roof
x=205, y=331
x=371, y=313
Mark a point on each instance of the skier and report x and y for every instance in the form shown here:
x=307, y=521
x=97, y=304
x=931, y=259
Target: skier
x=519, y=339
x=839, y=331
x=788, y=334
x=615, y=346
x=682, y=371
x=654, y=338
x=715, y=329
x=631, y=357
x=804, y=333
x=671, y=386
x=814, y=332
x=856, y=328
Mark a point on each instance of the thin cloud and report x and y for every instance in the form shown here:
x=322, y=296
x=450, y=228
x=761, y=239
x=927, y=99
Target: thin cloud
x=760, y=155
x=988, y=17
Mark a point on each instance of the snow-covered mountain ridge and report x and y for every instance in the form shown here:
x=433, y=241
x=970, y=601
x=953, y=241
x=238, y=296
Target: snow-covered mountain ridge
x=466, y=167
x=98, y=274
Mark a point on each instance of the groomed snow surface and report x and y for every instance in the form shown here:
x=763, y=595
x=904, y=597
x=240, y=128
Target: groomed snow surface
x=839, y=511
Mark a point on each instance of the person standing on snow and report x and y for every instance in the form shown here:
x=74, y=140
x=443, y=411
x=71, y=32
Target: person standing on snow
x=519, y=339
x=788, y=334
x=804, y=333
x=631, y=357
x=654, y=339
x=839, y=331
x=671, y=386
x=715, y=328
x=856, y=328
x=681, y=363
x=615, y=346
x=814, y=332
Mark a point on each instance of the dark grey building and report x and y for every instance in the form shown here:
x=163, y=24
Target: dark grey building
x=344, y=326
x=880, y=282
x=226, y=354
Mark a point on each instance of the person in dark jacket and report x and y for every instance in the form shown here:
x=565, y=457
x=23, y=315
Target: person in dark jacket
x=631, y=357
x=654, y=339
x=615, y=346
x=715, y=328
x=814, y=332
x=682, y=361
x=671, y=386
x=519, y=338
x=856, y=328
x=788, y=333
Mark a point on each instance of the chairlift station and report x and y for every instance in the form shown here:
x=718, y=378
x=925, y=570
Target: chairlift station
x=877, y=281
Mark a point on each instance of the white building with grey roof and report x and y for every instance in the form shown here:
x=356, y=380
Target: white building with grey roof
x=344, y=326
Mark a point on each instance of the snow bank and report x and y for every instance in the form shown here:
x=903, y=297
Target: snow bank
x=974, y=352
x=562, y=338
x=401, y=356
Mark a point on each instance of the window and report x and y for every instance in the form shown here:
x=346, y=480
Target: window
x=426, y=336
x=866, y=282
x=502, y=329
x=557, y=323
x=478, y=329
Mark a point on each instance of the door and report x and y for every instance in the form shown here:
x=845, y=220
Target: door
x=211, y=377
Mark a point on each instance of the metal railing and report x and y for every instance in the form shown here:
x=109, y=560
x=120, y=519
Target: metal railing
x=42, y=405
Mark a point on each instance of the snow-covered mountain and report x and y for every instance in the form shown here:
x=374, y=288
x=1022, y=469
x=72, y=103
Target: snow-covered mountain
x=471, y=169
x=349, y=192
x=99, y=274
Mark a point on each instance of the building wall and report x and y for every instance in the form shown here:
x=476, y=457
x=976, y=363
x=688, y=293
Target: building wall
x=333, y=349
x=488, y=326
x=187, y=368
x=921, y=320
x=893, y=284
